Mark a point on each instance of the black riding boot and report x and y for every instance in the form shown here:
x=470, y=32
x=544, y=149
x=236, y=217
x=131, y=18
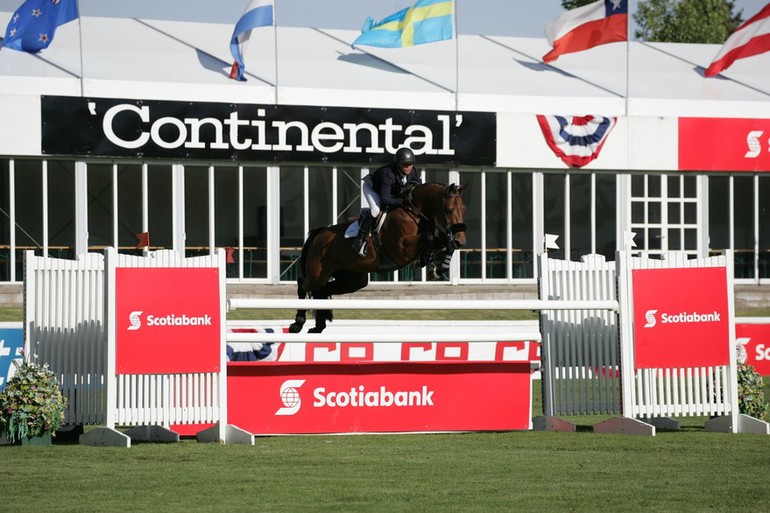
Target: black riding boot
x=364, y=227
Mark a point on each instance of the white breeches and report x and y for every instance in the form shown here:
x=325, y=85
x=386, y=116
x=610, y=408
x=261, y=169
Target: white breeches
x=372, y=198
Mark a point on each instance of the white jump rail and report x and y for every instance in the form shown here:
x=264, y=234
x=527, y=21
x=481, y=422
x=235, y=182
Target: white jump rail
x=427, y=304
x=392, y=304
x=513, y=336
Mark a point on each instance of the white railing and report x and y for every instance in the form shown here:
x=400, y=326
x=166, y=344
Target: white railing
x=67, y=304
x=422, y=304
x=580, y=349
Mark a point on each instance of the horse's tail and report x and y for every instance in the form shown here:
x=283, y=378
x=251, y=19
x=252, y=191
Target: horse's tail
x=300, y=318
x=303, y=259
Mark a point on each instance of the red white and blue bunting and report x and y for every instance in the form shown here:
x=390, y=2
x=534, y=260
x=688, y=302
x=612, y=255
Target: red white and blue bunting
x=576, y=140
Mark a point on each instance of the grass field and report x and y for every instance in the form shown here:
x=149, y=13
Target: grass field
x=686, y=471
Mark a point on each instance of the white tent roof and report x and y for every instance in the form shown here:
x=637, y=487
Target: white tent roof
x=167, y=60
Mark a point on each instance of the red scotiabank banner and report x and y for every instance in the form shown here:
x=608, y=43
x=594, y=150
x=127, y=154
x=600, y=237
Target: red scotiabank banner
x=724, y=144
x=681, y=317
x=373, y=397
x=167, y=320
x=756, y=340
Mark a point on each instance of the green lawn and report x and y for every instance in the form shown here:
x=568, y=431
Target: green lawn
x=516, y=471
x=687, y=471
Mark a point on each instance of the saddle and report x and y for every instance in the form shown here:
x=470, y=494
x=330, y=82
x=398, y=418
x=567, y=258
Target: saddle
x=352, y=229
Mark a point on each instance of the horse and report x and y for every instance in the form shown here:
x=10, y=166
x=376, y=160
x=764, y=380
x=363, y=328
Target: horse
x=428, y=228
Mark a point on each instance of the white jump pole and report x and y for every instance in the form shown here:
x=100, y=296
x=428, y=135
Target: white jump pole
x=385, y=337
x=407, y=304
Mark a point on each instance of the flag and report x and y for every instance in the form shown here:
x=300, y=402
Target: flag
x=143, y=240
x=229, y=255
x=259, y=13
x=426, y=21
x=34, y=24
x=751, y=38
x=599, y=23
x=576, y=140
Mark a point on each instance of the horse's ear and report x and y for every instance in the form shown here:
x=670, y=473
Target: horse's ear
x=462, y=188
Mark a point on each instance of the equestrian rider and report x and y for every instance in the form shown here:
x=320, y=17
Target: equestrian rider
x=383, y=189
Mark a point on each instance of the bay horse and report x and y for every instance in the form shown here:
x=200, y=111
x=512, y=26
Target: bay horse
x=427, y=228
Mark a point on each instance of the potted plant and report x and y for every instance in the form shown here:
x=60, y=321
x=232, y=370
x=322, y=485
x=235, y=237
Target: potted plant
x=31, y=405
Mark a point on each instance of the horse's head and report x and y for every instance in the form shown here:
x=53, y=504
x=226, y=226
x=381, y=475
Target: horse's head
x=443, y=207
x=453, y=217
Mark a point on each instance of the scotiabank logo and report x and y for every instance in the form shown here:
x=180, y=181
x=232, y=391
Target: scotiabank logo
x=680, y=318
x=354, y=397
x=290, y=397
x=360, y=397
x=135, y=320
x=754, y=144
x=650, y=317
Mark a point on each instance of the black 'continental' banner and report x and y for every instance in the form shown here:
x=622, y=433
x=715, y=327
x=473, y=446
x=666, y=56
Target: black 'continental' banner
x=108, y=127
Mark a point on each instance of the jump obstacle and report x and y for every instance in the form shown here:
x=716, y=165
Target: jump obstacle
x=70, y=323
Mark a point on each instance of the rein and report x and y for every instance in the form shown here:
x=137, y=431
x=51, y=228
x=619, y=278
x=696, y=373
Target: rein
x=448, y=231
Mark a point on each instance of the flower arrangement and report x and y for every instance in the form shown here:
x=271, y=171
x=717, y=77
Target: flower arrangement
x=751, y=393
x=31, y=404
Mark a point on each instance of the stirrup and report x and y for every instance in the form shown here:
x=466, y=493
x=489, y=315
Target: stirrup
x=362, y=249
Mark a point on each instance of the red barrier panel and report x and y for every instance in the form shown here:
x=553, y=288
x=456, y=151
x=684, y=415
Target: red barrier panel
x=167, y=320
x=286, y=398
x=681, y=318
x=756, y=339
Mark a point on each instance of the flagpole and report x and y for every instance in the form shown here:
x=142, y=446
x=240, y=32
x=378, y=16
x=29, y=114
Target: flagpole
x=457, y=59
x=80, y=40
x=628, y=86
x=275, y=43
x=628, y=56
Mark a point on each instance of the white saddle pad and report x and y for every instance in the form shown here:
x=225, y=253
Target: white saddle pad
x=352, y=229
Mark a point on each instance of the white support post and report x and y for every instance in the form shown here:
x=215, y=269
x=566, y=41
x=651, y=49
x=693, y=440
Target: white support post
x=107, y=435
x=222, y=376
x=110, y=321
x=626, y=317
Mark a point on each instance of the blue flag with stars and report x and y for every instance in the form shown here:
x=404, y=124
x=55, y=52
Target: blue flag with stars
x=33, y=25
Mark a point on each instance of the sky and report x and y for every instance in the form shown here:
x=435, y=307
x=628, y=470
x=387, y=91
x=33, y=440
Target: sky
x=525, y=18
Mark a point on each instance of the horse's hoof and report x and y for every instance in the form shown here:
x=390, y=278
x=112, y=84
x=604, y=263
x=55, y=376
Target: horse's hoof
x=316, y=330
x=295, y=328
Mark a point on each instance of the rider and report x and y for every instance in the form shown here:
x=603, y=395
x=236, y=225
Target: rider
x=384, y=189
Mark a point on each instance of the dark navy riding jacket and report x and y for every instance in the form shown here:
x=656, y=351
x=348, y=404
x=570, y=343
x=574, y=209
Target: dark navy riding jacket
x=387, y=183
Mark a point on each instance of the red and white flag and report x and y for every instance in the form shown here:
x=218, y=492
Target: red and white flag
x=751, y=38
x=599, y=23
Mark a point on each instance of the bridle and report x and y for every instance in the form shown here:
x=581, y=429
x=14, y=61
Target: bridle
x=445, y=232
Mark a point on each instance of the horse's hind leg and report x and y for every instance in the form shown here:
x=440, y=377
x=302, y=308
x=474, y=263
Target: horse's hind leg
x=301, y=317
x=344, y=282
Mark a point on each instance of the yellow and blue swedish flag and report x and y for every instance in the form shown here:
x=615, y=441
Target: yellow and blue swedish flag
x=426, y=21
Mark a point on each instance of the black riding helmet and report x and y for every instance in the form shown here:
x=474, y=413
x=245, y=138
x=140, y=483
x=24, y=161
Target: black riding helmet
x=403, y=156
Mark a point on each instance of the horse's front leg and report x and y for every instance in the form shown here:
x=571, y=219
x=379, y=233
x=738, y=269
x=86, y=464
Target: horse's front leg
x=299, y=322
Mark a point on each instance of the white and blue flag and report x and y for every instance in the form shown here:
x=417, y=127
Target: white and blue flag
x=259, y=13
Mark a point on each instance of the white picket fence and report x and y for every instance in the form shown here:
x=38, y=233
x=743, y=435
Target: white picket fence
x=579, y=347
x=691, y=391
x=69, y=324
x=588, y=356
